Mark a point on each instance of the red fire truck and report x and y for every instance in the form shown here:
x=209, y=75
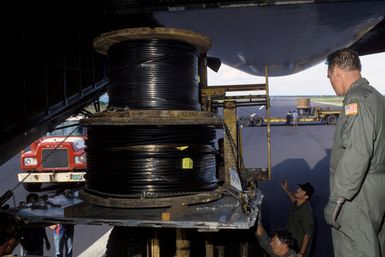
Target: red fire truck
x=58, y=157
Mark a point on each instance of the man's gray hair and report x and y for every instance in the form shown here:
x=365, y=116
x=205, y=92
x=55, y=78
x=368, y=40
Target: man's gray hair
x=345, y=59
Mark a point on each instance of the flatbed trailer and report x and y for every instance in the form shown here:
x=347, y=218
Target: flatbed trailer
x=302, y=119
x=222, y=210
x=324, y=116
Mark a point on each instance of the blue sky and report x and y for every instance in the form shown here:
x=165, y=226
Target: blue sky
x=312, y=81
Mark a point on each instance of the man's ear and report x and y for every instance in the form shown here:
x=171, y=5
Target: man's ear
x=337, y=71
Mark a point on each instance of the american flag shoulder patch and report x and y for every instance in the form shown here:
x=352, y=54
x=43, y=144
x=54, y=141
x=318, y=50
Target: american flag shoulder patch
x=351, y=109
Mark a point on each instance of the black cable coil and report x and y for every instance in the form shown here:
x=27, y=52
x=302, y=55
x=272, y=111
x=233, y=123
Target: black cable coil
x=132, y=160
x=153, y=74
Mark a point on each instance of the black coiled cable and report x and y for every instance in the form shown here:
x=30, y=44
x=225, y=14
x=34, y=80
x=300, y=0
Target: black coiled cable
x=120, y=136
x=132, y=160
x=153, y=74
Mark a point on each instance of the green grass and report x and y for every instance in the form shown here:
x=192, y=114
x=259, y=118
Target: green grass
x=333, y=100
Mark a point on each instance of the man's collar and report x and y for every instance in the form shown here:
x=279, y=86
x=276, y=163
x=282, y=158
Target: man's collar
x=354, y=85
x=296, y=202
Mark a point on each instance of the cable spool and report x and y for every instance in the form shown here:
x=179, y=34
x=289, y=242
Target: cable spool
x=153, y=72
x=150, y=159
x=303, y=103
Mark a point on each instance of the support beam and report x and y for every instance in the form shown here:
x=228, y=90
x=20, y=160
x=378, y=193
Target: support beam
x=268, y=123
x=244, y=250
x=230, y=139
x=209, y=246
x=182, y=244
x=155, y=250
x=221, y=251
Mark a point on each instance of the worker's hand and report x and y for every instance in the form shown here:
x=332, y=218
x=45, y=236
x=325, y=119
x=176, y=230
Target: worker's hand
x=47, y=245
x=328, y=213
x=285, y=185
x=332, y=211
x=260, y=229
x=259, y=217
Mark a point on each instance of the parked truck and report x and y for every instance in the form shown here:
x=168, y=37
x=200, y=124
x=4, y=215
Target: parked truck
x=58, y=157
x=306, y=112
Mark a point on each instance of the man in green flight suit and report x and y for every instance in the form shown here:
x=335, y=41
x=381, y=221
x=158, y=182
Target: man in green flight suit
x=356, y=204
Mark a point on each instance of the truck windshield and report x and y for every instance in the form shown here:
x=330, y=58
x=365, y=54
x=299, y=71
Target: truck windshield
x=68, y=127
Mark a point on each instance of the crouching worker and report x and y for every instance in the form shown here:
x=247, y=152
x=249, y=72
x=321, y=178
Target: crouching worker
x=281, y=243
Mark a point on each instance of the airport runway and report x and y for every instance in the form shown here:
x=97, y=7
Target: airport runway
x=299, y=154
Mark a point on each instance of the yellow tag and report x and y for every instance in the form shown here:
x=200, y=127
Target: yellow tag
x=187, y=163
x=181, y=148
x=351, y=109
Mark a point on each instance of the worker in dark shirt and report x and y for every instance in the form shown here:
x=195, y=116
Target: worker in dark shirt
x=301, y=220
x=280, y=244
x=34, y=235
x=33, y=240
x=289, y=117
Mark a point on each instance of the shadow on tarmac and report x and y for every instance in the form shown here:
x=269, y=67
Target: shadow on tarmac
x=275, y=206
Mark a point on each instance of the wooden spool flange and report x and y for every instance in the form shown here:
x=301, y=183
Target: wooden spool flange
x=103, y=42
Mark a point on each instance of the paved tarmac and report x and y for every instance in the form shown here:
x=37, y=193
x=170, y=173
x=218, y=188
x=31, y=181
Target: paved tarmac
x=299, y=154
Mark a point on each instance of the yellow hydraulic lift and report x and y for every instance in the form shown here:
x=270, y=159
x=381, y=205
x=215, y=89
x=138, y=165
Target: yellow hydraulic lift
x=215, y=96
